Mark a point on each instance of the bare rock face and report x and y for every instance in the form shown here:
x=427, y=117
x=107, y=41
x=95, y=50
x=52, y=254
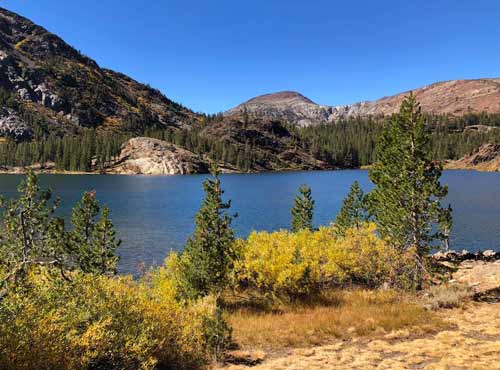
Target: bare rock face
x=486, y=158
x=149, y=156
x=11, y=125
x=456, y=97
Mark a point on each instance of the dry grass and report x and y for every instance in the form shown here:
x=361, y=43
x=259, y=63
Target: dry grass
x=342, y=314
x=446, y=296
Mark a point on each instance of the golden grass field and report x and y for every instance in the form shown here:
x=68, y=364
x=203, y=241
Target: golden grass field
x=371, y=330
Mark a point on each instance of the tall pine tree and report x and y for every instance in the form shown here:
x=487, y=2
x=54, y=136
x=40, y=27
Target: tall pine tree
x=209, y=253
x=302, y=210
x=406, y=200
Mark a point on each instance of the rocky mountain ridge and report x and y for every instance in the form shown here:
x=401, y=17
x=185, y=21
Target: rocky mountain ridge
x=456, y=97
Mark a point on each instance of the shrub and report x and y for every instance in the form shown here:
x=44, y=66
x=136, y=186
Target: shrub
x=98, y=322
x=285, y=264
x=445, y=296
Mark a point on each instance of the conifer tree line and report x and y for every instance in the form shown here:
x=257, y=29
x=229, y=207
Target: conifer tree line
x=351, y=142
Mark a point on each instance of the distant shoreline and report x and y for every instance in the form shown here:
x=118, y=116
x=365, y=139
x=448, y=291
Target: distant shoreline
x=24, y=170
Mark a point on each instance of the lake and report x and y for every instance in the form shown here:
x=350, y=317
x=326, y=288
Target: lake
x=154, y=215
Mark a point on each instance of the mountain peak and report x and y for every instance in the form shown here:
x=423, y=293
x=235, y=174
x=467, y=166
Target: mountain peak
x=289, y=106
x=280, y=97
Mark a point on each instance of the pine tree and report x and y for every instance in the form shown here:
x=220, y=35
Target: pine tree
x=302, y=211
x=105, y=244
x=93, y=242
x=445, y=224
x=31, y=234
x=405, y=202
x=208, y=255
x=353, y=212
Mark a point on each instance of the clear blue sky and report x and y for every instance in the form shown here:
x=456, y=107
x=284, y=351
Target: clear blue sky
x=213, y=54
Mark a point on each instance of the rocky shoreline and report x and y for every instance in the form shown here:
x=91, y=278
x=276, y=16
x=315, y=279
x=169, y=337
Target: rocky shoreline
x=453, y=256
x=478, y=272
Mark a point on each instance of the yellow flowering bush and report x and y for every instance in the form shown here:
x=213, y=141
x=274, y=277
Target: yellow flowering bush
x=97, y=322
x=290, y=264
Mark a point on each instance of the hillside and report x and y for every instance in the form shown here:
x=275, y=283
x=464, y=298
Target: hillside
x=50, y=94
x=48, y=86
x=457, y=98
x=486, y=158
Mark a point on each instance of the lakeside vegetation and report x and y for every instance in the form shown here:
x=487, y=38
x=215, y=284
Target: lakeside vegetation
x=62, y=306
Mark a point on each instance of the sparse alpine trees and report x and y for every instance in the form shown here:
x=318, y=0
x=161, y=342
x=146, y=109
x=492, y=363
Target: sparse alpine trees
x=302, y=210
x=353, y=212
x=406, y=200
x=209, y=253
x=32, y=236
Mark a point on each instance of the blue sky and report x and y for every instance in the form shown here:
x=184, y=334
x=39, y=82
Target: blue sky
x=213, y=54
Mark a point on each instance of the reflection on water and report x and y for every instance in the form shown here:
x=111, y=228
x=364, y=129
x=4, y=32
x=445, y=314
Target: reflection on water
x=156, y=214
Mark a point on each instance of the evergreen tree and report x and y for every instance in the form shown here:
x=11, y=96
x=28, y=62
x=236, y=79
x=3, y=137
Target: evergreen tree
x=31, y=234
x=93, y=241
x=302, y=211
x=105, y=244
x=405, y=202
x=353, y=212
x=208, y=255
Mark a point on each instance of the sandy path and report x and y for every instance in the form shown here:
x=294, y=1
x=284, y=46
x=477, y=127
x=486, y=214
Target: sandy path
x=473, y=343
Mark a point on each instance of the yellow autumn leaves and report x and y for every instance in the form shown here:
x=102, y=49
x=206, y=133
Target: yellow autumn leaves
x=293, y=264
x=102, y=322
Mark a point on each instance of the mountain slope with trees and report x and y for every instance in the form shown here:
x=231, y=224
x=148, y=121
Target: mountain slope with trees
x=47, y=86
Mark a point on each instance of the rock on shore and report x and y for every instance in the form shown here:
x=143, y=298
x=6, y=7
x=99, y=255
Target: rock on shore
x=479, y=271
x=149, y=156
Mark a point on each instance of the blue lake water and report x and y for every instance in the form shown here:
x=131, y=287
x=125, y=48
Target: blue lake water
x=154, y=215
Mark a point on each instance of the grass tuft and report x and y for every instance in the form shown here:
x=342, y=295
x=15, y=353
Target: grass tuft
x=446, y=296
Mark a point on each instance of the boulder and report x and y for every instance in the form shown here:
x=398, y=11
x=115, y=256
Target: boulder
x=483, y=278
x=147, y=156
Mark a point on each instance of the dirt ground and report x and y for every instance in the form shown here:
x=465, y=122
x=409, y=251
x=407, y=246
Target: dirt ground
x=472, y=342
